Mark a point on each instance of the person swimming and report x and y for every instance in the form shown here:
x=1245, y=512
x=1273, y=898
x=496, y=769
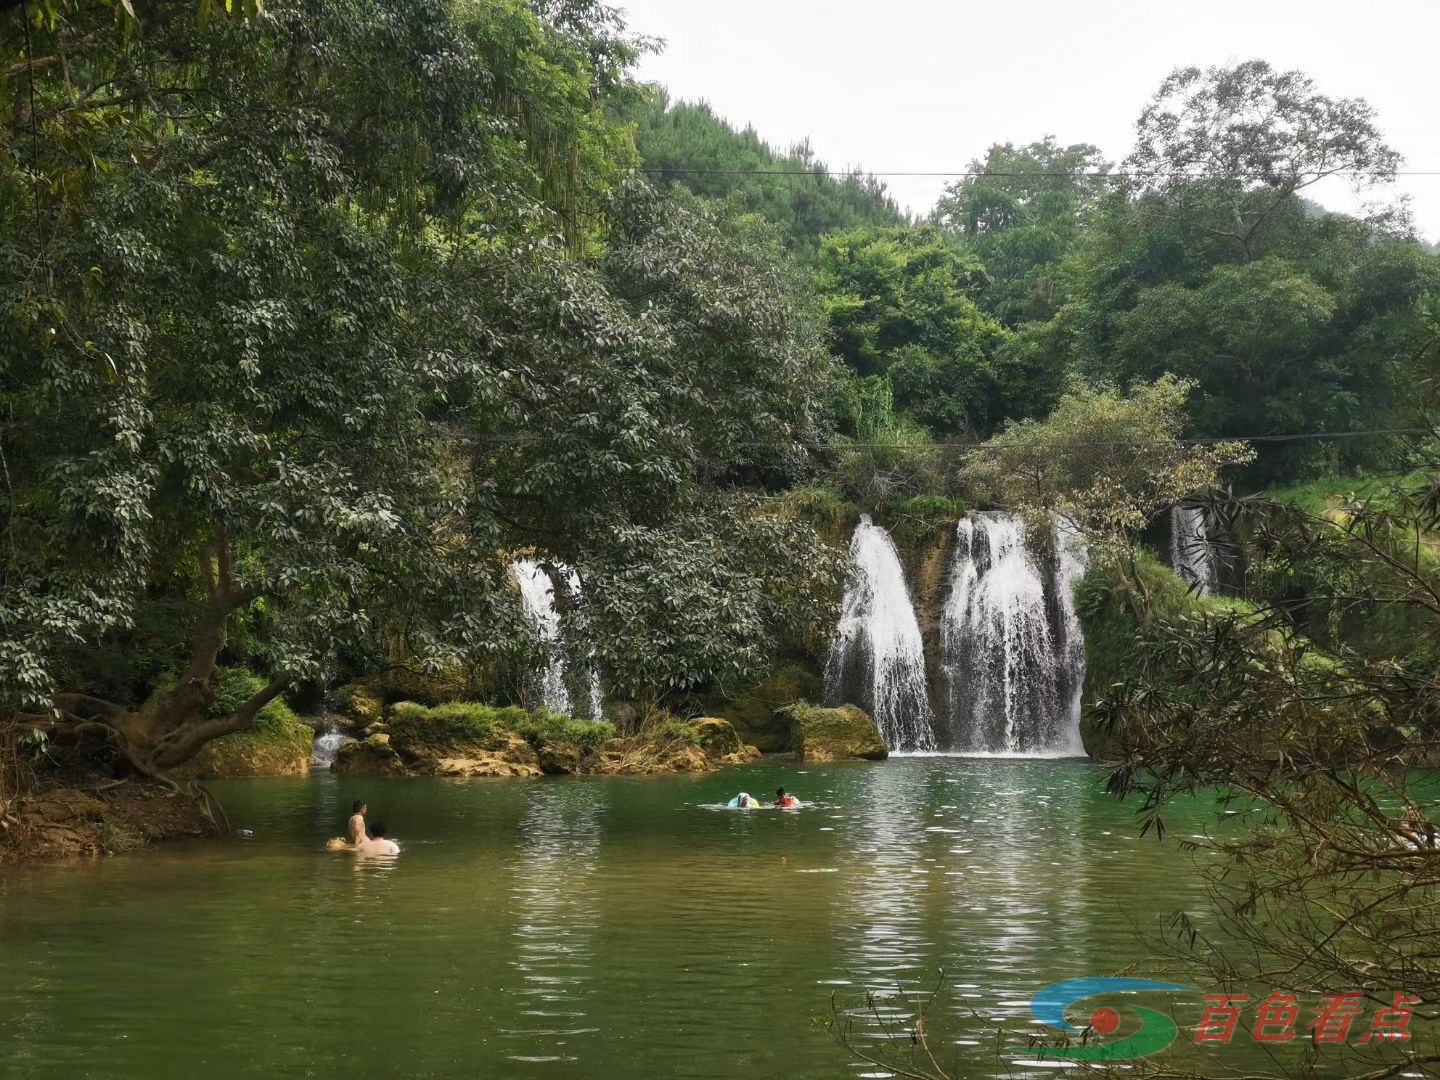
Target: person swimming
x=355, y=834
x=744, y=801
x=377, y=844
x=786, y=801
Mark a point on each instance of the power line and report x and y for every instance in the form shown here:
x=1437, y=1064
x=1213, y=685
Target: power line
x=1206, y=441
x=974, y=447
x=1089, y=175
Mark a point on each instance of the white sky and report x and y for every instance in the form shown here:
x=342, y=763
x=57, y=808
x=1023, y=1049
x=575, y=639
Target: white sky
x=927, y=85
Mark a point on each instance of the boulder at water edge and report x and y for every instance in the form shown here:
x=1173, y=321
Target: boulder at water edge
x=370, y=756
x=842, y=734
x=757, y=713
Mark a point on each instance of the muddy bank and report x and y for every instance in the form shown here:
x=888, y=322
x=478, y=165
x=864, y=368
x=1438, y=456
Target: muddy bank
x=104, y=817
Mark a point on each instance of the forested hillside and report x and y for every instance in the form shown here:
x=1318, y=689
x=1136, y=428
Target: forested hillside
x=687, y=143
x=313, y=317
x=1197, y=255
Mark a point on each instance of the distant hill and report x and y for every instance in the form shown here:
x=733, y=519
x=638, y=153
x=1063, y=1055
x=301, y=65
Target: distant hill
x=689, y=144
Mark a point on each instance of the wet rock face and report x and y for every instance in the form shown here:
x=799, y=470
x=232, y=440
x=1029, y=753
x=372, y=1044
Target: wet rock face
x=839, y=734
x=757, y=713
x=362, y=702
x=413, y=748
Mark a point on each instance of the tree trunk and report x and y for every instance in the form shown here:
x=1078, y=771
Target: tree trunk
x=174, y=730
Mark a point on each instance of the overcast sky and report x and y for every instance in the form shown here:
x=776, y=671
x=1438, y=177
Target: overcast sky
x=927, y=85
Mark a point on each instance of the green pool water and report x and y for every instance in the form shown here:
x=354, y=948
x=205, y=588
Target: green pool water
x=606, y=927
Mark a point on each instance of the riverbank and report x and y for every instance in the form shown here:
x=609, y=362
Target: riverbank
x=80, y=814
x=87, y=817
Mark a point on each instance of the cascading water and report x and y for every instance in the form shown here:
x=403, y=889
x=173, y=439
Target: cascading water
x=1191, y=553
x=326, y=747
x=878, y=659
x=537, y=596
x=1011, y=648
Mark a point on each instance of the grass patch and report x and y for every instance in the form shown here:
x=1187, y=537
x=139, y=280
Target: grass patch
x=1326, y=492
x=460, y=723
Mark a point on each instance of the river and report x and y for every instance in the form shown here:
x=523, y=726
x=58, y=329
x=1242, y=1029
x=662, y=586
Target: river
x=603, y=927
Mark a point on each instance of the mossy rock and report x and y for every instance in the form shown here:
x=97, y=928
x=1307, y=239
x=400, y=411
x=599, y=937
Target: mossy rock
x=277, y=747
x=513, y=757
x=716, y=736
x=363, y=701
x=560, y=759
x=373, y=756
x=279, y=743
x=756, y=714
x=841, y=734
x=451, y=684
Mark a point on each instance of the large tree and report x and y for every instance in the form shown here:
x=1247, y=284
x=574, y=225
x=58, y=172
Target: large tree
x=306, y=322
x=1235, y=145
x=900, y=303
x=1021, y=211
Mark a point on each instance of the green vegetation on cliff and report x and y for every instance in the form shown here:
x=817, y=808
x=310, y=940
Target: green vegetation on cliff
x=279, y=744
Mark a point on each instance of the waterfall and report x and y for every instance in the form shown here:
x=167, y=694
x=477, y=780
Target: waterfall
x=877, y=660
x=537, y=596
x=1011, y=648
x=326, y=746
x=1191, y=553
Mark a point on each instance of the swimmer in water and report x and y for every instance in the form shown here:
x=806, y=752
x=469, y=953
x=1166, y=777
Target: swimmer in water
x=744, y=801
x=786, y=801
x=377, y=844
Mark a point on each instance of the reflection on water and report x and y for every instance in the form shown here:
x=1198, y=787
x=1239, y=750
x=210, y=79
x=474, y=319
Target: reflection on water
x=596, y=927
x=555, y=903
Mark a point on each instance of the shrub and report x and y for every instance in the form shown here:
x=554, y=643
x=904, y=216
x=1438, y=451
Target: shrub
x=458, y=722
x=454, y=723
x=235, y=686
x=669, y=728
x=543, y=727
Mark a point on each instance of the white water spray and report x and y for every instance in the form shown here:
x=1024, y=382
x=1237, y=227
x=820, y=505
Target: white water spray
x=1011, y=649
x=537, y=596
x=878, y=659
x=326, y=748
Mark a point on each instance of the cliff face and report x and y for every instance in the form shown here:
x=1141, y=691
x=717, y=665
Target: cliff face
x=927, y=569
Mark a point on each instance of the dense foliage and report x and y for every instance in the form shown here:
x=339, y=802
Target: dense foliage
x=312, y=317
x=312, y=314
x=686, y=143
